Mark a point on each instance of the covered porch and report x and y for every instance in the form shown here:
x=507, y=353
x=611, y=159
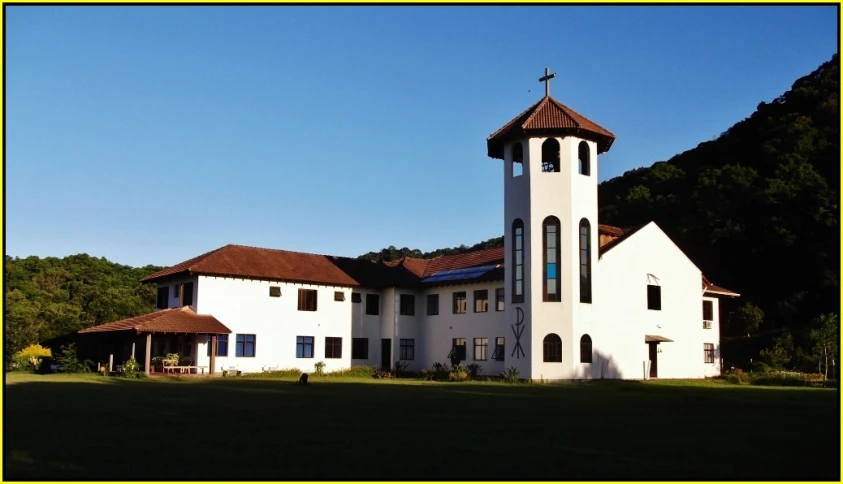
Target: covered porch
x=165, y=341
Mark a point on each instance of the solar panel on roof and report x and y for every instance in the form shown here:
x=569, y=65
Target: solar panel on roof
x=459, y=274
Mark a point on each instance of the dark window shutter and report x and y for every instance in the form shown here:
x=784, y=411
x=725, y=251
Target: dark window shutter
x=187, y=294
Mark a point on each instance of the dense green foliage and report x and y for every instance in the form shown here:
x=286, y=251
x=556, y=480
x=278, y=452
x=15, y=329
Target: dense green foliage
x=391, y=253
x=51, y=297
x=393, y=429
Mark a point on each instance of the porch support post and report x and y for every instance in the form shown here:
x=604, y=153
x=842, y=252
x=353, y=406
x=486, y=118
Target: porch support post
x=213, y=353
x=148, y=357
x=133, y=350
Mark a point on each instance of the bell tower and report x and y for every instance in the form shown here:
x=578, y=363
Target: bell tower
x=551, y=234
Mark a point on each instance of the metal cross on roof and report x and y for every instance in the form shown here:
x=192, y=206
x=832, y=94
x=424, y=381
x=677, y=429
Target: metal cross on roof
x=546, y=80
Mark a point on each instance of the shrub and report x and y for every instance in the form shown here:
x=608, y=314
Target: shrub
x=779, y=378
x=320, y=368
x=29, y=358
x=427, y=375
x=284, y=373
x=458, y=373
x=131, y=369
x=511, y=374
x=400, y=367
x=440, y=370
x=383, y=373
x=474, y=370
x=69, y=361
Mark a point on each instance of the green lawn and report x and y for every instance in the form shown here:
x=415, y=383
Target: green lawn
x=92, y=427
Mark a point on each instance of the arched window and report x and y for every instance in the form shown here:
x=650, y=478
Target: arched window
x=553, y=348
x=517, y=261
x=585, y=159
x=551, y=253
x=517, y=159
x=550, y=155
x=585, y=349
x=585, y=261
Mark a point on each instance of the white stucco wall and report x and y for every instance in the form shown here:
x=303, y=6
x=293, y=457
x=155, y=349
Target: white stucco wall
x=624, y=318
x=437, y=332
x=245, y=307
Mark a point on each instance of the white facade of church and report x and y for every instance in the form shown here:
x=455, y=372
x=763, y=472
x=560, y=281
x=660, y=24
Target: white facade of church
x=563, y=309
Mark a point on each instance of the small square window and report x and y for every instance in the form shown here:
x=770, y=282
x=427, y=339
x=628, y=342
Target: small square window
x=307, y=300
x=408, y=305
x=304, y=346
x=355, y=298
x=407, y=349
x=339, y=296
x=360, y=348
x=333, y=347
x=274, y=291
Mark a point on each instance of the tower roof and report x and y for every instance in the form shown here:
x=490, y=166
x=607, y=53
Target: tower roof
x=549, y=117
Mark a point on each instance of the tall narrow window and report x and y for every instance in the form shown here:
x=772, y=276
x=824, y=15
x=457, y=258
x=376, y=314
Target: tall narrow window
x=585, y=349
x=585, y=159
x=373, y=302
x=186, y=294
x=432, y=304
x=500, y=349
x=708, y=311
x=708, y=352
x=517, y=261
x=407, y=305
x=552, y=254
x=517, y=159
x=481, y=300
x=499, y=299
x=552, y=348
x=585, y=261
x=162, y=301
x=480, y=345
x=460, y=302
x=654, y=297
x=550, y=155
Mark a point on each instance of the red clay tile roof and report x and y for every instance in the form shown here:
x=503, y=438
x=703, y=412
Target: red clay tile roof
x=269, y=264
x=176, y=320
x=709, y=287
x=549, y=117
x=462, y=261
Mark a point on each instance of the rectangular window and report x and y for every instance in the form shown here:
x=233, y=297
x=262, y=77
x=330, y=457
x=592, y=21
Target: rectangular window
x=518, y=266
x=304, y=346
x=408, y=349
x=500, y=296
x=339, y=296
x=274, y=291
x=432, y=304
x=481, y=301
x=187, y=294
x=245, y=346
x=708, y=311
x=459, y=303
x=654, y=297
x=355, y=298
x=162, y=302
x=373, y=302
x=333, y=347
x=457, y=349
x=359, y=348
x=307, y=300
x=222, y=345
x=480, y=345
x=708, y=350
x=408, y=305
x=500, y=349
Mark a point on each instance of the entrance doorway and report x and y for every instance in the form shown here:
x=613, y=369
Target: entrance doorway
x=654, y=359
x=386, y=353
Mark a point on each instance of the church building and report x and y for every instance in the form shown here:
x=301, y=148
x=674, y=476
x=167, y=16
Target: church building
x=566, y=298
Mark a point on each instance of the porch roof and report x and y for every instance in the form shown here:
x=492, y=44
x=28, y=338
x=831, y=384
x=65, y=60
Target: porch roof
x=655, y=338
x=175, y=320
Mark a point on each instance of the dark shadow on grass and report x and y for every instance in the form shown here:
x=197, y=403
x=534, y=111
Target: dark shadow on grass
x=254, y=429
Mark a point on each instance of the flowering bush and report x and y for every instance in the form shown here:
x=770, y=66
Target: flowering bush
x=30, y=357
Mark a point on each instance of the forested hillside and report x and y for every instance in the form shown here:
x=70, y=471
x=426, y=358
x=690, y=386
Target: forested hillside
x=50, y=297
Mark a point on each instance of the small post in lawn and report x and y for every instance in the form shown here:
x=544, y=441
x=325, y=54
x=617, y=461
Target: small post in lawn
x=148, y=353
x=110, y=362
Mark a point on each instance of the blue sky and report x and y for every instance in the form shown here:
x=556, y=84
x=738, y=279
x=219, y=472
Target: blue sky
x=149, y=135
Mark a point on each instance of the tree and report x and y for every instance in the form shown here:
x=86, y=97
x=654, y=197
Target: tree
x=746, y=319
x=780, y=354
x=824, y=337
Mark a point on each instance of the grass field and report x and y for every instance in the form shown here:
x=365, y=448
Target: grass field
x=92, y=427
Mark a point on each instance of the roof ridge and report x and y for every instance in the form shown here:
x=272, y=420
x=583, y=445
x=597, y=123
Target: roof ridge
x=568, y=111
x=507, y=125
x=539, y=106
